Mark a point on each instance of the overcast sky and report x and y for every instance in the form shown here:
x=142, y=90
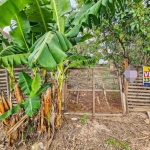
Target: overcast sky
x=73, y=3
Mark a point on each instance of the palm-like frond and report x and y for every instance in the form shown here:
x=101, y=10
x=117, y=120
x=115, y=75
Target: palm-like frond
x=60, y=8
x=12, y=55
x=9, y=8
x=20, y=28
x=41, y=15
x=49, y=50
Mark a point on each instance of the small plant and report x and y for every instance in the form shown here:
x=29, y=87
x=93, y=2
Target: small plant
x=121, y=145
x=112, y=142
x=83, y=119
x=114, y=87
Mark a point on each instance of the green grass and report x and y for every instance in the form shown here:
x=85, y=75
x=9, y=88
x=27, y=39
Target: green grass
x=117, y=144
x=83, y=119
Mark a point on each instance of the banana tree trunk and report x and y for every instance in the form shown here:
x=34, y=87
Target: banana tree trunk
x=47, y=104
x=60, y=78
x=59, y=107
x=3, y=108
x=18, y=93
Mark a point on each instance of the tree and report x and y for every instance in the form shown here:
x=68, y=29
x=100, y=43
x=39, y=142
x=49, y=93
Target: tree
x=125, y=34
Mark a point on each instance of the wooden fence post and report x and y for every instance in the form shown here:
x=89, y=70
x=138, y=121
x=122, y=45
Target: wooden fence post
x=93, y=88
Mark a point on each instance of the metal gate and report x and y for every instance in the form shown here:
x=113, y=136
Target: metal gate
x=94, y=91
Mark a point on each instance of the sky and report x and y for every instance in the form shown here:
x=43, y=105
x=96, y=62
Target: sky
x=73, y=4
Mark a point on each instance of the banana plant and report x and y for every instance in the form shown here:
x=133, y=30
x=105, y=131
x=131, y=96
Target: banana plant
x=32, y=88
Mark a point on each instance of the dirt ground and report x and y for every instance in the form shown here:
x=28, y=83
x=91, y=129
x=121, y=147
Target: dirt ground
x=131, y=132
x=104, y=133
x=85, y=103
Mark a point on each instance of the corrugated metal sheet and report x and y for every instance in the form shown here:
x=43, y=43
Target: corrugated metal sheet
x=4, y=81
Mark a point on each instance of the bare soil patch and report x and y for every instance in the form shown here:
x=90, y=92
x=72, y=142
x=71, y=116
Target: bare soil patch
x=85, y=103
x=107, y=100
x=131, y=131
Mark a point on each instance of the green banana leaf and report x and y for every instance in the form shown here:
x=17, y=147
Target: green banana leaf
x=43, y=88
x=33, y=89
x=69, y=20
x=111, y=6
x=40, y=11
x=60, y=8
x=74, y=31
x=90, y=12
x=12, y=111
x=36, y=84
x=4, y=41
x=9, y=8
x=25, y=82
x=41, y=15
x=20, y=27
x=82, y=13
x=79, y=60
x=31, y=105
x=137, y=1
x=75, y=40
x=83, y=16
x=12, y=56
x=49, y=50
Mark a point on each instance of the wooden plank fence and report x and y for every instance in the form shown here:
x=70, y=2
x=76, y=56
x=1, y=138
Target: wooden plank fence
x=4, y=80
x=138, y=96
x=4, y=86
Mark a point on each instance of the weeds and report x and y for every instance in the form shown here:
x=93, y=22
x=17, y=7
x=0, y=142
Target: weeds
x=117, y=144
x=115, y=87
x=83, y=119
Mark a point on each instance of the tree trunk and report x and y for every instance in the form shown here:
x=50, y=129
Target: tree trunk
x=59, y=107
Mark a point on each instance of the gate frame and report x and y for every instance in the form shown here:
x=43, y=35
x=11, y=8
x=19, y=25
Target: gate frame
x=93, y=90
